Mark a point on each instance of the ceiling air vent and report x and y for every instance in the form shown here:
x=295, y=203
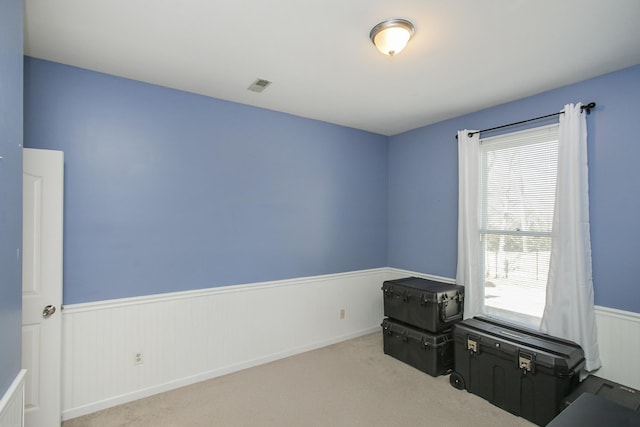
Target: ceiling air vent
x=259, y=85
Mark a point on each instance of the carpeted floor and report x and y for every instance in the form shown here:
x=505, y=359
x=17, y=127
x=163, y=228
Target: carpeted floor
x=347, y=384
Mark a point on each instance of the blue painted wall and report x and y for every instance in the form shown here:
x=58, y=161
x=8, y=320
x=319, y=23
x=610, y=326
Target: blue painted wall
x=168, y=191
x=10, y=191
x=423, y=184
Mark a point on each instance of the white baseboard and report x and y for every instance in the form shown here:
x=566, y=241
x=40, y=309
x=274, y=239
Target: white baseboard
x=192, y=336
x=187, y=337
x=12, y=403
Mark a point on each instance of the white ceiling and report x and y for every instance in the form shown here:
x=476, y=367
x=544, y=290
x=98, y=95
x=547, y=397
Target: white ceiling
x=466, y=54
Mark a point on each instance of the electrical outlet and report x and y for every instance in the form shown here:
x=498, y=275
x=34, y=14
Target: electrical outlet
x=342, y=313
x=137, y=358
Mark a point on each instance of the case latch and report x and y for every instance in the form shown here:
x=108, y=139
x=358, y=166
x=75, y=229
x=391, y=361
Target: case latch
x=386, y=329
x=424, y=299
x=425, y=343
x=472, y=344
x=526, y=362
x=388, y=291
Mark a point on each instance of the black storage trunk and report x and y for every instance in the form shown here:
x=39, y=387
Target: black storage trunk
x=425, y=304
x=618, y=393
x=520, y=370
x=430, y=353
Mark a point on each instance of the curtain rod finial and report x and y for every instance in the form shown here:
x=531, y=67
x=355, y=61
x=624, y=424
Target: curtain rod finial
x=588, y=107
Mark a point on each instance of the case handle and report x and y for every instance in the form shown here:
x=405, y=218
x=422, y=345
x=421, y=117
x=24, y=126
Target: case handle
x=445, y=319
x=443, y=308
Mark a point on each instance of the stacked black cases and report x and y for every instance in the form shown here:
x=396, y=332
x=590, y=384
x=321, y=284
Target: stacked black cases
x=417, y=329
x=520, y=370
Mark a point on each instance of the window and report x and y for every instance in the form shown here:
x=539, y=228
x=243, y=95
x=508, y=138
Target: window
x=518, y=180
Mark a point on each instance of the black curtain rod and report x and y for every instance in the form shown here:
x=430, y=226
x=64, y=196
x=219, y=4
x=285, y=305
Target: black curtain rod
x=587, y=107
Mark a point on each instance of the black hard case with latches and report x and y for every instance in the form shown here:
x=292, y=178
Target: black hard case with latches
x=425, y=304
x=523, y=371
x=430, y=353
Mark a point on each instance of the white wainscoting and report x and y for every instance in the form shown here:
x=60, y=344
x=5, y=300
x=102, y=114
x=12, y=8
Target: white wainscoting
x=12, y=403
x=619, y=344
x=187, y=337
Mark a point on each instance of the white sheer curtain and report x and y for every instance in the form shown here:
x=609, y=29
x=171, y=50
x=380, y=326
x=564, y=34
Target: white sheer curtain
x=569, y=308
x=468, y=272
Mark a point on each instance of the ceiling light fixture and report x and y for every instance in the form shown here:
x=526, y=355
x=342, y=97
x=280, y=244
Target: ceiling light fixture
x=391, y=36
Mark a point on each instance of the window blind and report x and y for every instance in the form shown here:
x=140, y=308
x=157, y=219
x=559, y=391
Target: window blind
x=518, y=180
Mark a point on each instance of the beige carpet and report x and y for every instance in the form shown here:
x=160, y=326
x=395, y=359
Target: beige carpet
x=348, y=384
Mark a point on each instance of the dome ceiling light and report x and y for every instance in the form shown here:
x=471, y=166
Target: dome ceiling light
x=391, y=36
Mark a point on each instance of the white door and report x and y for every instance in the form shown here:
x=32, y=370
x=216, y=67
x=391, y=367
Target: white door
x=43, y=181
